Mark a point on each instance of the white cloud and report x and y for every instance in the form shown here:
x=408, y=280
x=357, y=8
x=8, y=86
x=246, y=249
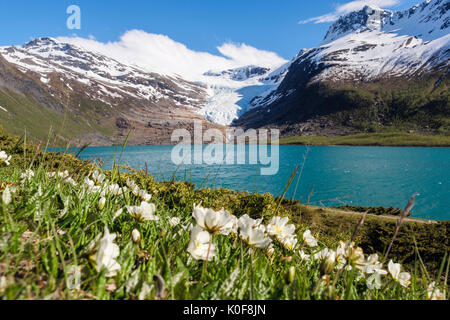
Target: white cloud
x=349, y=7
x=159, y=53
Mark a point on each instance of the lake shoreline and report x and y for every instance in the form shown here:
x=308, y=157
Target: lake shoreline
x=393, y=139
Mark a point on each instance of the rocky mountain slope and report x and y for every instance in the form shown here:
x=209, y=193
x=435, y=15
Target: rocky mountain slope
x=374, y=68
x=90, y=97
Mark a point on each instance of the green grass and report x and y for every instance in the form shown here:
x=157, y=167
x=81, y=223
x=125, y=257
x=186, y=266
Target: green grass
x=372, y=139
x=51, y=227
x=26, y=115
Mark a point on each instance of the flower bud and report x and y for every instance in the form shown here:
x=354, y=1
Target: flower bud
x=328, y=264
x=6, y=196
x=270, y=250
x=290, y=275
x=117, y=214
x=101, y=203
x=136, y=236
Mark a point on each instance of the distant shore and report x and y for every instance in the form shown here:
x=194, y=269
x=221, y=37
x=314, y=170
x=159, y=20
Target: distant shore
x=372, y=139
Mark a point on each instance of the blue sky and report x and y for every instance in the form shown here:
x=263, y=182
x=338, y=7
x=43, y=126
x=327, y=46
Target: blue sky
x=202, y=25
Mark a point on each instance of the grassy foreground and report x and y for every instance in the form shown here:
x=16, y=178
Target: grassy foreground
x=372, y=139
x=84, y=234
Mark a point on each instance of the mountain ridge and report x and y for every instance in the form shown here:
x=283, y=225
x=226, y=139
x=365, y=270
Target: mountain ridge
x=359, y=58
x=104, y=94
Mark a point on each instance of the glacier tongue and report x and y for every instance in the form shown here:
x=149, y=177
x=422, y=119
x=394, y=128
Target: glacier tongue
x=232, y=92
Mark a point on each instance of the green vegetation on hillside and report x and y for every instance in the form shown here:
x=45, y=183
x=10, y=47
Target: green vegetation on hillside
x=88, y=234
x=416, y=104
x=421, y=104
x=25, y=115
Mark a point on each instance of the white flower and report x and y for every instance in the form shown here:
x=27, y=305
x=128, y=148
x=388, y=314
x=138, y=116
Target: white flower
x=278, y=227
x=289, y=242
x=303, y=255
x=114, y=189
x=63, y=175
x=106, y=253
x=145, y=196
x=231, y=226
x=145, y=212
x=70, y=181
x=284, y=233
x=4, y=157
x=324, y=254
x=374, y=281
x=253, y=232
x=98, y=177
x=91, y=187
x=27, y=175
x=174, y=221
x=6, y=196
x=214, y=222
x=51, y=174
x=434, y=293
x=308, y=239
x=133, y=187
x=247, y=222
x=136, y=191
x=131, y=184
x=135, y=234
x=200, y=243
x=372, y=265
x=355, y=256
x=400, y=277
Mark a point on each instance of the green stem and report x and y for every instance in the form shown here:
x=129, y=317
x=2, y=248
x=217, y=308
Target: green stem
x=252, y=286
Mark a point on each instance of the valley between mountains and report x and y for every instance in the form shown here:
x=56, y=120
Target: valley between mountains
x=374, y=71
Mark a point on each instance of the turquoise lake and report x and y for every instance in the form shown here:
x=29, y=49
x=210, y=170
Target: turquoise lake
x=363, y=176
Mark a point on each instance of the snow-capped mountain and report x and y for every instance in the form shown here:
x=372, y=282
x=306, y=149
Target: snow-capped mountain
x=219, y=96
x=362, y=47
x=107, y=79
x=428, y=21
x=98, y=89
x=375, y=42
